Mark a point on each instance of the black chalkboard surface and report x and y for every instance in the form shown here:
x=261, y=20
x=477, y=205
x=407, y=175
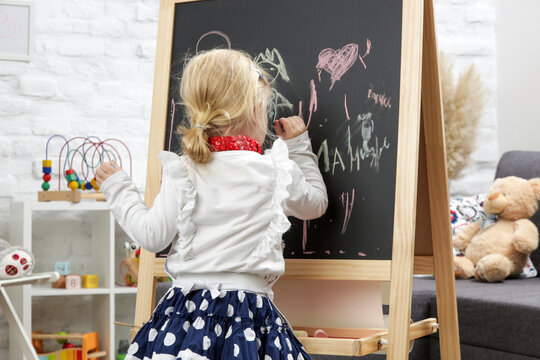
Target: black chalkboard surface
x=337, y=64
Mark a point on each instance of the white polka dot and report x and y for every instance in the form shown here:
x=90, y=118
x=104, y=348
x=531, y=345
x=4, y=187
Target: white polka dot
x=190, y=305
x=133, y=348
x=198, y=323
x=300, y=357
x=171, y=293
x=229, y=332
x=289, y=343
x=249, y=334
x=267, y=357
x=236, y=350
x=290, y=357
x=278, y=321
x=241, y=295
x=218, y=330
x=165, y=325
x=258, y=343
x=169, y=310
x=204, y=305
x=152, y=334
x=204, y=292
x=186, y=326
x=277, y=343
x=259, y=301
x=237, y=319
x=170, y=339
x=250, y=314
x=230, y=310
x=206, y=343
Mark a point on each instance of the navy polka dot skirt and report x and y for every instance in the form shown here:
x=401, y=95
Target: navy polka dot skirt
x=231, y=325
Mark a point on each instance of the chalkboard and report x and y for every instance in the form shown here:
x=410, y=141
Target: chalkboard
x=336, y=64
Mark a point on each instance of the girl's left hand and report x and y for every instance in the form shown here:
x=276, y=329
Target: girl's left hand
x=106, y=170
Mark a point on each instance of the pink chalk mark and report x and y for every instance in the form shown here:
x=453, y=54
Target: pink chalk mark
x=327, y=252
x=361, y=254
x=368, y=50
x=214, y=32
x=341, y=252
x=300, y=109
x=312, y=101
x=337, y=62
x=309, y=252
x=346, y=110
x=173, y=108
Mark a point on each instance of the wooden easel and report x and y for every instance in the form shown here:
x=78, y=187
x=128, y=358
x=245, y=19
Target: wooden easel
x=422, y=235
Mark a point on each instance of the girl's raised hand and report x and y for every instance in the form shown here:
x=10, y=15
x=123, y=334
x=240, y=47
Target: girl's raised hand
x=105, y=171
x=290, y=127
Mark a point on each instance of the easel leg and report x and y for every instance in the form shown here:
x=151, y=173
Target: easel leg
x=438, y=192
x=145, y=289
x=406, y=182
x=16, y=326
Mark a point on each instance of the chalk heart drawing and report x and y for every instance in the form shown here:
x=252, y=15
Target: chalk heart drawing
x=8, y=28
x=337, y=62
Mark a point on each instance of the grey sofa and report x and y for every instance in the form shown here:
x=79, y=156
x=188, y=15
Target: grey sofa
x=497, y=321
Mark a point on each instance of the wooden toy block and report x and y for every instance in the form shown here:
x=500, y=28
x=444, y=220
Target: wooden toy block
x=63, y=267
x=73, y=281
x=90, y=281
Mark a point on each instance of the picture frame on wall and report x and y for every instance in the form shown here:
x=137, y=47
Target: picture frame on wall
x=16, y=30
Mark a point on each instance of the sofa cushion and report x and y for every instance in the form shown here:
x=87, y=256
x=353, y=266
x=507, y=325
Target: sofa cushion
x=500, y=316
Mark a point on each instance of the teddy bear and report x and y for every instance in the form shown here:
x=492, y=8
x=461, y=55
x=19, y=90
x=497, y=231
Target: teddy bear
x=15, y=261
x=499, y=246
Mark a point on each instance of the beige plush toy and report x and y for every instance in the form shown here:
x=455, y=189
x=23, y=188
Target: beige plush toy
x=499, y=246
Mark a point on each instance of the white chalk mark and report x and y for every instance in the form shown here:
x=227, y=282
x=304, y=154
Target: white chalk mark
x=272, y=62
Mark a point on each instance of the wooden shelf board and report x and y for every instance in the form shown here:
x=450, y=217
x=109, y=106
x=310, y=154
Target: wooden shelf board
x=48, y=291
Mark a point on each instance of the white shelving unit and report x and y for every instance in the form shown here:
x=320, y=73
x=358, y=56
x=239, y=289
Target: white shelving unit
x=101, y=262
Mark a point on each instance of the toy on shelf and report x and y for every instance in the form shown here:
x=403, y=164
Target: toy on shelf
x=129, y=267
x=15, y=261
x=90, y=152
x=90, y=281
x=89, y=348
x=73, y=282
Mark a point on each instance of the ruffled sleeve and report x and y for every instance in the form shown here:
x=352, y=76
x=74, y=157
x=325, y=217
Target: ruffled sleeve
x=271, y=242
x=176, y=171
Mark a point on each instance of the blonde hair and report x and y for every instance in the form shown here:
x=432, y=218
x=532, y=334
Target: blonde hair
x=224, y=93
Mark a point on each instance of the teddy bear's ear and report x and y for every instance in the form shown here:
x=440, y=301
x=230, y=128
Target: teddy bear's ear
x=535, y=183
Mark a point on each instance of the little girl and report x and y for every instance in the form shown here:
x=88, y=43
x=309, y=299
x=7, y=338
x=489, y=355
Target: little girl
x=228, y=203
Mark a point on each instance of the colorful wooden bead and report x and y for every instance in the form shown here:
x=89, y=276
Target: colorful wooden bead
x=69, y=172
x=94, y=184
x=88, y=185
x=46, y=163
x=71, y=177
x=47, y=169
x=73, y=185
x=90, y=281
x=81, y=184
x=45, y=186
x=47, y=177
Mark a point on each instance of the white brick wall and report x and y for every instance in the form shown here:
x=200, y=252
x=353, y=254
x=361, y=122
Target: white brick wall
x=92, y=74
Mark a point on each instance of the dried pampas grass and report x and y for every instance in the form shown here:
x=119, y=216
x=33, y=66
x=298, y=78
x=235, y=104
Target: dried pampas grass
x=463, y=104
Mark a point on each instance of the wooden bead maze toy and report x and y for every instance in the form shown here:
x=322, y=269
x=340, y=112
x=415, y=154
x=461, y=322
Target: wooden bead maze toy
x=88, y=152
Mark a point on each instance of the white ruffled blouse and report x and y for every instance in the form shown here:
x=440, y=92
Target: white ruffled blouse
x=229, y=214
